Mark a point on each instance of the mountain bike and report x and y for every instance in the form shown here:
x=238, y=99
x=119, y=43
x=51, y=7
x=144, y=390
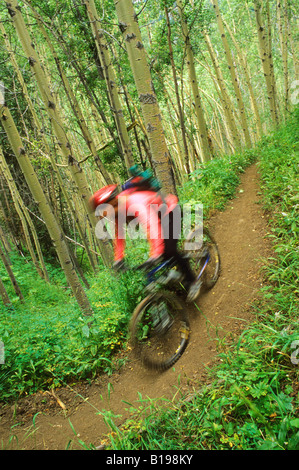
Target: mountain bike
x=159, y=327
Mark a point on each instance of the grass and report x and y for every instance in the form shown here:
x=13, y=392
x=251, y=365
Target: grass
x=46, y=339
x=252, y=400
x=214, y=182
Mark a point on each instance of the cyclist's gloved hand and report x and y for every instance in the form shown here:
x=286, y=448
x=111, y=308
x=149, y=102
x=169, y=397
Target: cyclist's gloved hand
x=119, y=266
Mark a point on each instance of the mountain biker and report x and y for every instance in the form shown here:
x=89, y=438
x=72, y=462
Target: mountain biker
x=140, y=200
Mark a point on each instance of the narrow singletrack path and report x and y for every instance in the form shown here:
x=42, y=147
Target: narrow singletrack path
x=223, y=312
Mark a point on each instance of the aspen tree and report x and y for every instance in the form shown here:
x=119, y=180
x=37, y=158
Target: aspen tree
x=181, y=156
x=94, y=101
x=73, y=101
x=266, y=61
x=54, y=114
x=201, y=121
x=129, y=27
x=270, y=55
x=48, y=153
x=11, y=275
x=25, y=220
x=5, y=237
x=225, y=98
x=4, y=294
x=180, y=111
x=293, y=48
x=4, y=240
x=53, y=227
x=233, y=75
x=134, y=121
x=222, y=110
x=111, y=82
x=247, y=81
x=178, y=158
x=283, y=36
x=19, y=75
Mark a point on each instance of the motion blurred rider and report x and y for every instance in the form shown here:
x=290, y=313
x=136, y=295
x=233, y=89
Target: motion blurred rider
x=140, y=196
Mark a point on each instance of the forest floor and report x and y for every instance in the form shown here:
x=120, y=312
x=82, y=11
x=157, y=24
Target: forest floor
x=72, y=414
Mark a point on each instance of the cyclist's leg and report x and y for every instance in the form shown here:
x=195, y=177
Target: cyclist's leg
x=171, y=250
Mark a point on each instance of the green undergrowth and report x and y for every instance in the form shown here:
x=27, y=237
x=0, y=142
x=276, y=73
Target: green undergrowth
x=215, y=182
x=46, y=339
x=252, y=398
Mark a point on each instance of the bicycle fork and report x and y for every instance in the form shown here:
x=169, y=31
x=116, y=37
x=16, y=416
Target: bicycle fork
x=208, y=257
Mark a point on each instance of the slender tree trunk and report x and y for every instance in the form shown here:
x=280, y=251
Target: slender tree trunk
x=4, y=294
x=174, y=117
x=11, y=275
x=25, y=219
x=201, y=121
x=282, y=12
x=73, y=102
x=147, y=97
x=225, y=98
x=223, y=109
x=111, y=83
x=265, y=59
x=4, y=240
x=132, y=118
x=177, y=94
x=270, y=55
x=294, y=48
x=54, y=114
x=248, y=83
x=7, y=225
x=234, y=79
x=22, y=83
x=52, y=225
x=94, y=101
x=49, y=153
x=178, y=156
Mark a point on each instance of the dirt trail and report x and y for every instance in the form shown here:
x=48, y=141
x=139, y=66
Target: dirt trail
x=240, y=233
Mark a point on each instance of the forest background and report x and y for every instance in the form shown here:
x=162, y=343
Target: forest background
x=88, y=88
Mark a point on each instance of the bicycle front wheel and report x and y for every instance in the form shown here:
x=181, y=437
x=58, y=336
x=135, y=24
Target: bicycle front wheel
x=160, y=330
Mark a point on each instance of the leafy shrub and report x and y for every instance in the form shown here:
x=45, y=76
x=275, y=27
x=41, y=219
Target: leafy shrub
x=214, y=182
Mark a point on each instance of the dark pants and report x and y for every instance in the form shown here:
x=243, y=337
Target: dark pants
x=171, y=226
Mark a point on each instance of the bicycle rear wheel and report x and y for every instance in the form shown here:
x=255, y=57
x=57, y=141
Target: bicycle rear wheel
x=203, y=252
x=159, y=330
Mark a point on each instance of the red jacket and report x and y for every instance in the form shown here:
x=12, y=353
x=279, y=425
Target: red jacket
x=146, y=207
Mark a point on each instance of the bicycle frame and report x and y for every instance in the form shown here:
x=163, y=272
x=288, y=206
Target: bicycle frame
x=151, y=274
x=204, y=266
x=169, y=263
